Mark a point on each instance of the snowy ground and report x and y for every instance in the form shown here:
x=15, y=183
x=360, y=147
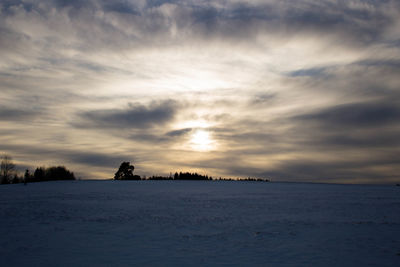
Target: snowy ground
x=125, y=223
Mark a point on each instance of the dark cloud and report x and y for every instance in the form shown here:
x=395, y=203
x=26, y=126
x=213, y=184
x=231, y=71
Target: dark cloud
x=12, y=41
x=72, y=3
x=157, y=137
x=6, y=6
x=372, y=82
x=18, y=115
x=179, y=132
x=352, y=24
x=308, y=72
x=95, y=159
x=379, y=139
x=121, y=7
x=344, y=170
x=370, y=114
x=243, y=21
x=156, y=3
x=393, y=64
x=351, y=142
x=262, y=99
x=63, y=156
x=135, y=116
x=336, y=171
x=149, y=137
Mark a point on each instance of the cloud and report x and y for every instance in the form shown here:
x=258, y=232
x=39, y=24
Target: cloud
x=360, y=23
x=18, y=114
x=158, y=137
x=288, y=89
x=308, y=72
x=62, y=156
x=378, y=139
x=121, y=7
x=341, y=171
x=149, y=137
x=355, y=115
x=179, y=132
x=95, y=159
x=135, y=116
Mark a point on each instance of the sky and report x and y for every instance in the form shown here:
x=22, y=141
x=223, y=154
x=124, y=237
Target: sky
x=305, y=91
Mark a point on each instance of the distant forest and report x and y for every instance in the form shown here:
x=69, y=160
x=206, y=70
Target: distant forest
x=9, y=174
x=125, y=172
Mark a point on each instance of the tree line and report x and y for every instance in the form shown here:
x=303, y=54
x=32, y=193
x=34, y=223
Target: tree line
x=125, y=172
x=180, y=176
x=9, y=174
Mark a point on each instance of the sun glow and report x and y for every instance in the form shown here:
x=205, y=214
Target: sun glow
x=201, y=141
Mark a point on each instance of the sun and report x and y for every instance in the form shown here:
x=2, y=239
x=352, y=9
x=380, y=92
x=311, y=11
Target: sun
x=201, y=141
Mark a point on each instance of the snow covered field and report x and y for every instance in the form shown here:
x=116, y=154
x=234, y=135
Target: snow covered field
x=125, y=223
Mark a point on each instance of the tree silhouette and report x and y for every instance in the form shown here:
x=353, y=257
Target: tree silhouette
x=191, y=176
x=8, y=174
x=125, y=172
x=6, y=169
x=59, y=173
x=27, y=176
x=39, y=174
x=51, y=174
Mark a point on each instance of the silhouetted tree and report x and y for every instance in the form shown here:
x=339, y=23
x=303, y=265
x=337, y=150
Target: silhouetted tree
x=15, y=179
x=59, y=173
x=52, y=174
x=9, y=175
x=6, y=169
x=39, y=174
x=190, y=176
x=157, y=177
x=27, y=176
x=125, y=172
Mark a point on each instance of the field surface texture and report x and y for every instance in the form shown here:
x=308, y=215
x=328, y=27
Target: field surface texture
x=202, y=223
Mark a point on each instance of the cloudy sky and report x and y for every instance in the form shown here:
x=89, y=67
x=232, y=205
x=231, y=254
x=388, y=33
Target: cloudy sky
x=288, y=90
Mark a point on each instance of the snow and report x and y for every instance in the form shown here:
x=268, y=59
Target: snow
x=159, y=223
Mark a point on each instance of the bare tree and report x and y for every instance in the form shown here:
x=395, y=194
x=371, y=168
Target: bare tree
x=7, y=168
